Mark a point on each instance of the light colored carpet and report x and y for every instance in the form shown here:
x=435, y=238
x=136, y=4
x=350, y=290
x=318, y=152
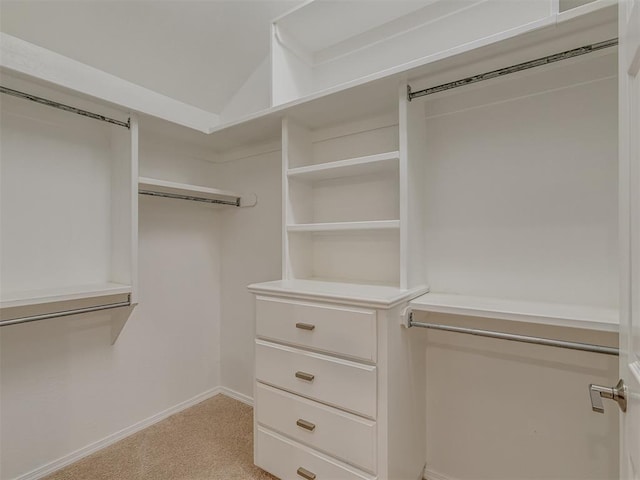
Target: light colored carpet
x=212, y=440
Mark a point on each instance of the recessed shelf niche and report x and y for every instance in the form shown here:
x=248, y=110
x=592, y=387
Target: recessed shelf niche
x=520, y=194
x=342, y=196
x=69, y=208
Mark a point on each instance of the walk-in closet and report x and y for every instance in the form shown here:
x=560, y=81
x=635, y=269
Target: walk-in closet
x=321, y=240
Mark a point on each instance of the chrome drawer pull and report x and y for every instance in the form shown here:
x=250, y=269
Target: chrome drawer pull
x=305, y=326
x=304, y=473
x=306, y=425
x=305, y=376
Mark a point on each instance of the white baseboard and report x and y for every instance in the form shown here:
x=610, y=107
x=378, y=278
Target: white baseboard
x=431, y=475
x=125, y=432
x=241, y=397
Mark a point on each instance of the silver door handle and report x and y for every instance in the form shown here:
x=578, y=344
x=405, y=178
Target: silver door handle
x=617, y=393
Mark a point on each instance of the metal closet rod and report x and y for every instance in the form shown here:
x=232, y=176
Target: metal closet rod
x=64, y=313
x=576, y=52
x=66, y=108
x=233, y=203
x=585, y=347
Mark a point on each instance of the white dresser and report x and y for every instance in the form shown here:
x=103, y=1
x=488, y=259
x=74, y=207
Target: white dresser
x=339, y=391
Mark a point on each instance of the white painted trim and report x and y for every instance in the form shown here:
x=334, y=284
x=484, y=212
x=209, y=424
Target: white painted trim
x=28, y=59
x=62, y=462
x=357, y=295
x=284, y=39
x=432, y=475
x=584, y=10
x=241, y=397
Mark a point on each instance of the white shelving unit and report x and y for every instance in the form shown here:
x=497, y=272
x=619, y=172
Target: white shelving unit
x=554, y=314
x=69, y=209
x=164, y=188
x=505, y=189
x=342, y=194
x=522, y=213
x=314, y=50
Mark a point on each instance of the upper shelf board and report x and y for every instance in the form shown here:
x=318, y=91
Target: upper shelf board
x=194, y=192
x=308, y=22
x=61, y=294
x=559, y=315
x=345, y=168
x=25, y=58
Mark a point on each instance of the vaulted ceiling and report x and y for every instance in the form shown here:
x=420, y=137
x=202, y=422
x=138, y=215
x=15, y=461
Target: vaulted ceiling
x=198, y=52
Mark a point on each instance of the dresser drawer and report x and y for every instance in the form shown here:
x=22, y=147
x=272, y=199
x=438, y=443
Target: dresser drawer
x=340, y=434
x=342, y=330
x=289, y=460
x=341, y=383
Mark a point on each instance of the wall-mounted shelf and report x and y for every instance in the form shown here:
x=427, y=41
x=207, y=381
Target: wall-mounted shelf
x=45, y=65
x=61, y=294
x=312, y=50
x=63, y=257
x=344, y=226
x=183, y=191
x=559, y=315
x=35, y=305
x=346, y=168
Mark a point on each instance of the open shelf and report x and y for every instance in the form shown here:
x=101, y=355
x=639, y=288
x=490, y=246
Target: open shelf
x=345, y=226
x=342, y=196
x=69, y=247
x=313, y=50
x=62, y=294
x=163, y=188
x=346, y=168
x=555, y=314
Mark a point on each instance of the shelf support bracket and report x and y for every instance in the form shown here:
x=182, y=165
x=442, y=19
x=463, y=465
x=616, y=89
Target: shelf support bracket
x=119, y=319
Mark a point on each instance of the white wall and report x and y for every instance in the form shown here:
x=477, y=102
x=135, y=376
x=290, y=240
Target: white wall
x=64, y=386
x=254, y=94
x=252, y=252
x=504, y=410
